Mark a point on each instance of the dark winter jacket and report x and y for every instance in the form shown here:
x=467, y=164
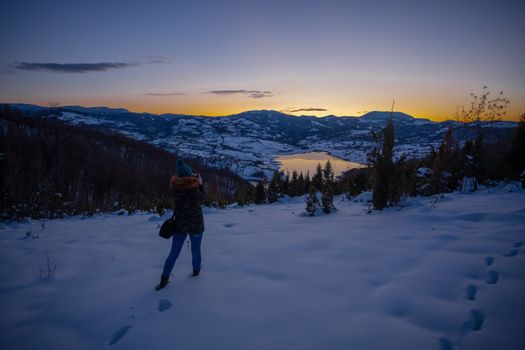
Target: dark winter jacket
x=187, y=197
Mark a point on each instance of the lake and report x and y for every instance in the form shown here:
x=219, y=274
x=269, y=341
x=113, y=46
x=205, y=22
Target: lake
x=303, y=162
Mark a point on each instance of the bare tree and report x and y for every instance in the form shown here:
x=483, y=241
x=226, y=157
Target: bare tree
x=484, y=108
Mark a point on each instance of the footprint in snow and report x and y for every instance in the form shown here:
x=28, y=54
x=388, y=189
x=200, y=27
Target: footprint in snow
x=470, y=292
x=489, y=260
x=164, y=304
x=493, y=277
x=231, y=224
x=477, y=319
x=118, y=334
x=517, y=244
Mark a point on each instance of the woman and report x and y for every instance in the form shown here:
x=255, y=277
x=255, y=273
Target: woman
x=187, y=195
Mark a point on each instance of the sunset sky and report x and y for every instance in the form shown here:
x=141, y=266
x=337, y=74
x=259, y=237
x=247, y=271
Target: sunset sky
x=302, y=57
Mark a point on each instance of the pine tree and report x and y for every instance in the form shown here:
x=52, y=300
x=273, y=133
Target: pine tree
x=351, y=187
x=275, y=189
x=317, y=179
x=436, y=179
x=307, y=182
x=451, y=165
x=286, y=184
x=381, y=157
x=444, y=173
x=327, y=199
x=260, y=193
x=300, y=185
x=328, y=174
x=357, y=184
x=312, y=202
x=294, y=188
x=399, y=183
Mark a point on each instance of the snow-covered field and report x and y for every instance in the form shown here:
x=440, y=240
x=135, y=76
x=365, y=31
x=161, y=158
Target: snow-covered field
x=439, y=274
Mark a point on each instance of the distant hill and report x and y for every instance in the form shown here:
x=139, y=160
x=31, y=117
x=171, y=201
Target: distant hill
x=246, y=143
x=50, y=168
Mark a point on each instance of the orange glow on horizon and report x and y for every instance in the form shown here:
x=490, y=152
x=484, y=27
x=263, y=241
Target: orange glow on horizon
x=219, y=111
x=205, y=108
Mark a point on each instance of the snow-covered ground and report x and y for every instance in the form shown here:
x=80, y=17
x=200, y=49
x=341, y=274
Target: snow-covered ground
x=439, y=274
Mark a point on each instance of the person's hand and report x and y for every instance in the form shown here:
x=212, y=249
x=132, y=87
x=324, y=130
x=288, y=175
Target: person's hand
x=199, y=178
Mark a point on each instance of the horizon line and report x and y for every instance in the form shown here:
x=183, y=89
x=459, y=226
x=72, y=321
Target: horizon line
x=249, y=110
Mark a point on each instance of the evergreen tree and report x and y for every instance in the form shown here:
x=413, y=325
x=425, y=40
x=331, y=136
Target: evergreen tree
x=328, y=174
x=294, y=188
x=351, y=187
x=260, y=193
x=275, y=189
x=446, y=150
x=382, y=163
x=444, y=175
x=286, y=184
x=300, y=185
x=399, y=182
x=312, y=202
x=317, y=179
x=307, y=182
x=436, y=179
x=327, y=199
x=357, y=184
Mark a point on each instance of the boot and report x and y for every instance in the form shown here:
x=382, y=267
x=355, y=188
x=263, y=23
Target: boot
x=163, y=282
x=196, y=272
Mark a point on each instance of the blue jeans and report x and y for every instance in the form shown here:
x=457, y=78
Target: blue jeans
x=176, y=246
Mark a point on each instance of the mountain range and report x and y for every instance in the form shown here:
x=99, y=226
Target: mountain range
x=247, y=143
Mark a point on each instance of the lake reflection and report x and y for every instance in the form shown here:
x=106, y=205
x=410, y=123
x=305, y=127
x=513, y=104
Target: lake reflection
x=303, y=162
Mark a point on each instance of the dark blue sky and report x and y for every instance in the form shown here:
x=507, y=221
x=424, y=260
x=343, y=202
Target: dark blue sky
x=219, y=57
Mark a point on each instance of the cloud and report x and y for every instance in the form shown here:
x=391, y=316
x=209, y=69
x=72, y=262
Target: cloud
x=72, y=67
x=310, y=109
x=159, y=60
x=249, y=93
x=164, y=94
x=86, y=67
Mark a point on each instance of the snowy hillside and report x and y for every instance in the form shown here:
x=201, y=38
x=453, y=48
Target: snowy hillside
x=247, y=143
x=440, y=274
